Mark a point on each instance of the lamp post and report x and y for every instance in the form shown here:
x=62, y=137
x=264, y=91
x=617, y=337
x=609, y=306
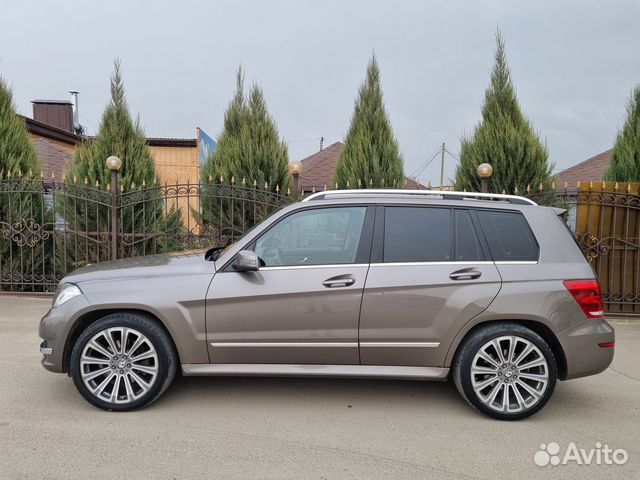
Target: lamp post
x=484, y=172
x=114, y=164
x=295, y=169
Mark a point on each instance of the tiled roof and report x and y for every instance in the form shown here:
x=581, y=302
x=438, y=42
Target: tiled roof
x=319, y=169
x=591, y=170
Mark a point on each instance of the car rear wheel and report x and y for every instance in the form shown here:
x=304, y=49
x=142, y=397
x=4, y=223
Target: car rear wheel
x=506, y=371
x=123, y=362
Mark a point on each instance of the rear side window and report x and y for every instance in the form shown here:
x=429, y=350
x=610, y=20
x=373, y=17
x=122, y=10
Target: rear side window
x=415, y=234
x=467, y=243
x=509, y=236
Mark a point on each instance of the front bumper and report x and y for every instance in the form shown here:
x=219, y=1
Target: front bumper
x=54, y=329
x=581, y=345
x=45, y=349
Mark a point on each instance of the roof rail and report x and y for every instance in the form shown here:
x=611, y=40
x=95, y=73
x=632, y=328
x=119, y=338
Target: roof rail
x=515, y=199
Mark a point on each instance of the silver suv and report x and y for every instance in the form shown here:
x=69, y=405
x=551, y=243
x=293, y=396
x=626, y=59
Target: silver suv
x=489, y=290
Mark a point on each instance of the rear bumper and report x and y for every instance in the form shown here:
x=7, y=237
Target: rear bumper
x=581, y=345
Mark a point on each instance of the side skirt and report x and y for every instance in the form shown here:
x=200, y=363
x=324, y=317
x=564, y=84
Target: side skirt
x=284, y=370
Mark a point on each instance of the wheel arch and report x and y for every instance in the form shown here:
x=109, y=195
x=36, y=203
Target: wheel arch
x=538, y=327
x=88, y=318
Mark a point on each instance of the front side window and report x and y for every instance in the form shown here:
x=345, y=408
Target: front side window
x=417, y=234
x=321, y=236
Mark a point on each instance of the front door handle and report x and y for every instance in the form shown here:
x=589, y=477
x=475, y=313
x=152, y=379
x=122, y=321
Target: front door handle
x=339, y=281
x=465, y=274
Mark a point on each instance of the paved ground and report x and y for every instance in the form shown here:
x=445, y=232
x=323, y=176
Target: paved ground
x=299, y=428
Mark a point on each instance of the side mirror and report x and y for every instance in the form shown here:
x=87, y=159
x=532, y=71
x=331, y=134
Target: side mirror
x=246, y=261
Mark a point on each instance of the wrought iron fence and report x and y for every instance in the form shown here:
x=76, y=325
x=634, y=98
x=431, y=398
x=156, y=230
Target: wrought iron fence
x=605, y=218
x=49, y=228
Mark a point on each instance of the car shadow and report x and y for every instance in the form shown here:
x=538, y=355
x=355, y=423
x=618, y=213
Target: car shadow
x=423, y=397
x=347, y=391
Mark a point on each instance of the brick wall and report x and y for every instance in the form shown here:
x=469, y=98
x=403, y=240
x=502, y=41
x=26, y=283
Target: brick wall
x=63, y=145
x=179, y=164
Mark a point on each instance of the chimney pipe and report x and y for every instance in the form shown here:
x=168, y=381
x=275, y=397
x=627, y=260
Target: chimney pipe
x=76, y=121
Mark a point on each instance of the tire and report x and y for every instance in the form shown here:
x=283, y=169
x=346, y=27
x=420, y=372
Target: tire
x=141, y=372
x=483, y=383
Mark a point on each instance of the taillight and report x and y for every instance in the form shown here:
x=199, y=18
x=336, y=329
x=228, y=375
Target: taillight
x=587, y=294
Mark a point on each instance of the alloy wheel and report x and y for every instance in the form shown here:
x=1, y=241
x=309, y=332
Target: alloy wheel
x=119, y=365
x=509, y=374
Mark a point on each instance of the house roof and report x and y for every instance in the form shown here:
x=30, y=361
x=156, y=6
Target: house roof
x=172, y=142
x=45, y=130
x=319, y=169
x=591, y=170
x=52, y=102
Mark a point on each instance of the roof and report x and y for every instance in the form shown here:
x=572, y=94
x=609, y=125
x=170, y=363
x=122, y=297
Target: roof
x=172, y=142
x=591, y=170
x=319, y=169
x=45, y=130
x=52, y=102
x=49, y=131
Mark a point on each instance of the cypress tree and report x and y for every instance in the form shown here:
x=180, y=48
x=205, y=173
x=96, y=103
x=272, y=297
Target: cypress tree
x=625, y=164
x=119, y=135
x=16, y=151
x=370, y=156
x=22, y=207
x=504, y=138
x=249, y=146
x=251, y=154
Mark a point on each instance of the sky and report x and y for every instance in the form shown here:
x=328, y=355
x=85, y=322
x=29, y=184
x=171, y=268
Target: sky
x=573, y=63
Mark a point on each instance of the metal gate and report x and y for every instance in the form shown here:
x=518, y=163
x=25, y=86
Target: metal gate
x=608, y=231
x=49, y=228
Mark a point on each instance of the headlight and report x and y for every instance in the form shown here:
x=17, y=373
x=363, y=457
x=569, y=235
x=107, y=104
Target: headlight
x=66, y=292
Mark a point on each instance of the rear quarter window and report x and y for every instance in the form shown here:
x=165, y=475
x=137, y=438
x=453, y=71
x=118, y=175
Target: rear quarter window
x=509, y=236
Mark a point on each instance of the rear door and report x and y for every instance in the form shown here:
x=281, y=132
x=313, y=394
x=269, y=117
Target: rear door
x=430, y=273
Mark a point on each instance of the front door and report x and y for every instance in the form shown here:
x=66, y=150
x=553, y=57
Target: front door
x=430, y=274
x=303, y=305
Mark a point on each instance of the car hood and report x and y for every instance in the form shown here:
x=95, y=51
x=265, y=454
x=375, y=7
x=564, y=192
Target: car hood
x=148, y=266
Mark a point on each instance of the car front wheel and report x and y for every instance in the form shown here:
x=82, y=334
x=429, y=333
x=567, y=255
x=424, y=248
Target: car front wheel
x=123, y=362
x=506, y=371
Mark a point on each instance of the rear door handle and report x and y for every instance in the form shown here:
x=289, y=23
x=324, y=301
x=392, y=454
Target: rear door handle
x=465, y=274
x=339, y=281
